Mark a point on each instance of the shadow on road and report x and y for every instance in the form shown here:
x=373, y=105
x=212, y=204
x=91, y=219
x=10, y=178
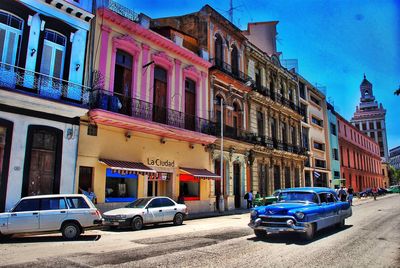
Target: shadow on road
x=146, y=227
x=46, y=238
x=294, y=238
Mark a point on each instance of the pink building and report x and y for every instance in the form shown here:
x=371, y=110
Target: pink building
x=360, y=157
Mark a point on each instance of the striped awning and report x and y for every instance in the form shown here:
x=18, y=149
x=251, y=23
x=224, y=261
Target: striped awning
x=200, y=173
x=125, y=167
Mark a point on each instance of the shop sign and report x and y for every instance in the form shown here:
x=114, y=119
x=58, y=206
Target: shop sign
x=160, y=163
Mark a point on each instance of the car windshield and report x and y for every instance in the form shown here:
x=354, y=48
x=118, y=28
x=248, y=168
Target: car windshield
x=305, y=197
x=138, y=203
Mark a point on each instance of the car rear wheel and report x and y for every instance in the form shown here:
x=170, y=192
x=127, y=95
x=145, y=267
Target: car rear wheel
x=309, y=234
x=70, y=231
x=341, y=224
x=137, y=223
x=260, y=233
x=178, y=219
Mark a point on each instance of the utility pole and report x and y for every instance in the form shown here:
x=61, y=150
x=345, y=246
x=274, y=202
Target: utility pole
x=230, y=11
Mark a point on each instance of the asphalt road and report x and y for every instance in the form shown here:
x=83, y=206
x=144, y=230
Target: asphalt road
x=371, y=238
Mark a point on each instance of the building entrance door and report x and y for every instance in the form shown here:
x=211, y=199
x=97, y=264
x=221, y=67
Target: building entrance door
x=236, y=184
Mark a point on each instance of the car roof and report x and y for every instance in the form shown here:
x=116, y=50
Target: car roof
x=309, y=189
x=53, y=196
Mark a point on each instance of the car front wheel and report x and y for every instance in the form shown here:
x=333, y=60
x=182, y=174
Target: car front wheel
x=137, y=224
x=70, y=231
x=260, y=233
x=178, y=219
x=309, y=234
x=341, y=224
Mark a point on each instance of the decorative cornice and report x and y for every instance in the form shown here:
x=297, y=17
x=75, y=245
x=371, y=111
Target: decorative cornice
x=136, y=29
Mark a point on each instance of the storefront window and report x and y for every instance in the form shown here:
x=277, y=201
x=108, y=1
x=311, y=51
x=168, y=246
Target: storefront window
x=189, y=187
x=121, y=187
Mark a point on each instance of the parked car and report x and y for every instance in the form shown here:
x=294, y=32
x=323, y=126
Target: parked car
x=382, y=191
x=69, y=214
x=301, y=210
x=146, y=211
x=263, y=201
x=365, y=193
x=394, y=189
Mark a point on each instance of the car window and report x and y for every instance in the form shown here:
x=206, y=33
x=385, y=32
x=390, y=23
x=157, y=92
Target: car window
x=138, y=203
x=330, y=198
x=322, y=197
x=27, y=205
x=155, y=203
x=76, y=202
x=52, y=204
x=297, y=197
x=165, y=202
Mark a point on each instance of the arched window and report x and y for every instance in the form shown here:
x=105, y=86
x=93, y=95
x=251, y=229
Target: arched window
x=235, y=60
x=160, y=95
x=10, y=37
x=190, y=104
x=236, y=118
x=219, y=54
x=42, y=161
x=123, y=81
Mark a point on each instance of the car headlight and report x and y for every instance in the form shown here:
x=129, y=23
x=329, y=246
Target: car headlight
x=300, y=215
x=253, y=213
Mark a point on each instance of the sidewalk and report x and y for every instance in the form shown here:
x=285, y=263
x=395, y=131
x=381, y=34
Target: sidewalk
x=359, y=201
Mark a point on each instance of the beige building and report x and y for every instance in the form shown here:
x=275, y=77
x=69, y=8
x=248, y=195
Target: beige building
x=315, y=135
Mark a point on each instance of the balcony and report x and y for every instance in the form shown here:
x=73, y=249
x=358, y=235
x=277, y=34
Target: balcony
x=41, y=85
x=226, y=68
x=117, y=103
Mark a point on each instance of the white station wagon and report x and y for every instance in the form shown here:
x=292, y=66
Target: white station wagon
x=146, y=211
x=68, y=213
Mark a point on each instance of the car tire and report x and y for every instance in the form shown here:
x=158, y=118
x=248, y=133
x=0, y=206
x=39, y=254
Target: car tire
x=341, y=224
x=4, y=238
x=178, y=219
x=260, y=234
x=137, y=223
x=310, y=233
x=70, y=231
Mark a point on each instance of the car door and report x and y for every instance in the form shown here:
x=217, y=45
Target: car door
x=323, y=212
x=331, y=210
x=154, y=211
x=53, y=211
x=25, y=217
x=169, y=209
x=78, y=209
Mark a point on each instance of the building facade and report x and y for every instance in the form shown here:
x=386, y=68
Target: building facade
x=315, y=135
x=42, y=63
x=360, y=157
x=334, y=158
x=147, y=131
x=370, y=118
x=274, y=121
x=394, y=159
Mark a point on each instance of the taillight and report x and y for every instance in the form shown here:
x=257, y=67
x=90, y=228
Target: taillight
x=96, y=213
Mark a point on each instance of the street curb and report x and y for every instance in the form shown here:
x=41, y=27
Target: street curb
x=196, y=216
x=363, y=200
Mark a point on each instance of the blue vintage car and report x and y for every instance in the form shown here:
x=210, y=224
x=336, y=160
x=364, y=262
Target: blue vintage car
x=302, y=210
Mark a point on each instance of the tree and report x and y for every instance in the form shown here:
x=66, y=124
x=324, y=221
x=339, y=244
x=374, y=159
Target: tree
x=394, y=176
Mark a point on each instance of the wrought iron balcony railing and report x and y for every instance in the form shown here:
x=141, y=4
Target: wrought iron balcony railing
x=230, y=70
x=118, y=103
x=16, y=78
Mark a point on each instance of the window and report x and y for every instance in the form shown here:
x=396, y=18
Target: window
x=372, y=134
x=190, y=104
x=319, y=146
x=120, y=188
x=305, y=138
x=335, y=154
x=76, y=203
x=378, y=125
x=317, y=121
x=315, y=100
x=155, y=203
x=379, y=134
x=92, y=130
x=258, y=78
x=52, y=204
x=336, y=174
x=52, y=63
x=123, y=82
x=287, y=177
x=333, y=129
x=235, y=60
x=320, y=163
x=358, y=125
x=219, y=55
x=27, y=205
x=307, y=178
x=190, y=189
x=326, y=198
x=10, y=37
x=371, y=125
x=364, y=126
x=277, y=177
x=6, y=128
x=85, y=177
x=260, y=123
x=294, y=137
x=165, y=202
x=160, y=95
x=302, y=89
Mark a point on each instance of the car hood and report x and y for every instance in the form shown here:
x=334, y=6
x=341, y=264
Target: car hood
x=280, y=208
x=123, y=211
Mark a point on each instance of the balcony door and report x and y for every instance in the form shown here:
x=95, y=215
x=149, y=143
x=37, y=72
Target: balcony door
x=190, y=104
x=122, y=83
x=52, y=64
x=237, y=126
x=260, y=124
x=160, y=95
x=235, y=61
x=10, y=37
x=219, y=55
x=42, y=161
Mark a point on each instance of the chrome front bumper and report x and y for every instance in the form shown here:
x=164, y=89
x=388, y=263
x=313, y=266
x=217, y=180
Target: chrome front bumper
x=297, y=227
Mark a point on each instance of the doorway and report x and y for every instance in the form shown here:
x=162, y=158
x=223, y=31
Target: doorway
x=160, y=95
x=236, y=185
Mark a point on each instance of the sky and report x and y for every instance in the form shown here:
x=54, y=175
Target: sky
x=334, y=41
